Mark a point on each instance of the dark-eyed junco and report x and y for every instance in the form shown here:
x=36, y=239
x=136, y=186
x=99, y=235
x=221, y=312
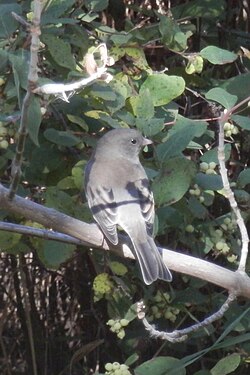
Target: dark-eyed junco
x=118, y=193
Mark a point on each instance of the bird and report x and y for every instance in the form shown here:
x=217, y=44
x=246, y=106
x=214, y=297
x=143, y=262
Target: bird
x=118, y=194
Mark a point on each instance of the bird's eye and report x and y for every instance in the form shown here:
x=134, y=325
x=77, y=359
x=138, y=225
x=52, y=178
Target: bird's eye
x=133, y=141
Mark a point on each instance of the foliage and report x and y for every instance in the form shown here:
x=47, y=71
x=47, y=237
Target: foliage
x=198, y=42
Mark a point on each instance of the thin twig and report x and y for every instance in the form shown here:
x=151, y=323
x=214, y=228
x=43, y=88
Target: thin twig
x=32, y=79
x=95, y=72
x=28, y=316
x=229, y=193
x=181, y=335
x=45, y=234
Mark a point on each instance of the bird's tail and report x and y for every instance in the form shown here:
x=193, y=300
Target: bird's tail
x=150, y=260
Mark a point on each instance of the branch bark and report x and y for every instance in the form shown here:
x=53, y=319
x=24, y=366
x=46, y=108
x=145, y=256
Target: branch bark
x=236, y=282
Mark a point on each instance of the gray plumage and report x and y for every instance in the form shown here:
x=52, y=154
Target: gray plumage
x=118, y=193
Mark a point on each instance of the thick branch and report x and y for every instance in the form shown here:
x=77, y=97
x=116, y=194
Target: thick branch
x=237, y=282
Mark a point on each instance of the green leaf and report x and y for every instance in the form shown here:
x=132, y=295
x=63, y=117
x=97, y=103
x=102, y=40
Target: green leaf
x=8, y=23
x=77, y=174
x=244, y=178
x=105, y=117
x=3, y=60
x=173, y=180
x=238, y=85
x=34, y=119
x=200, y=8
x=212, y=155
x=56, y=9
x=20, y=66
x=132, y=359
x=8, y=240
x=145, y=106
x=120, y=39
x=159, y=366
x=166, y=28
x=103, y=92
x=242, y=121
x=197, y=209
x=179, y=137
x=150, y=127
x=163, y=89
x=79, y=121
x=96, y=5
x=217, y=55
x=63, y=138
x=59, y=50
x=209, y=182
x=221, y=96
x=226, y=365
x=53, y=253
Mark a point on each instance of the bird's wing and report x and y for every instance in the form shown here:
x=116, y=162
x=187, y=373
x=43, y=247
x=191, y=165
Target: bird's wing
x=146, y=199
x=104, y=209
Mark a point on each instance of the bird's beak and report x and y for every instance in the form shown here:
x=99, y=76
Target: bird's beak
x=146, y=142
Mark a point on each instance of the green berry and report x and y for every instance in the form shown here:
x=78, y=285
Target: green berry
x=124, y=322
x=116, y=365
x=4, y=144
x=202, y=199
x=3, y=132
x=212, y=165
x=231, y=258
x=227, y=220
x=158, y=315
x=204, y=166
x=111, y=322
x=190, y=68
x=219, y=245
x=228, y=133
x=168, y=314
x=108, y=366
x=219, y=233
x=189, y=228
x=192, y=191
x=210, y=171
x=197, y=192
x=227, y=126
x=235, y=130
x=121, y=334
x=117, y=326
x=158, y=297
x=155, y=309
x=224, y=226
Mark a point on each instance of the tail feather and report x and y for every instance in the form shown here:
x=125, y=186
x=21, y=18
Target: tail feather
x=151, y=262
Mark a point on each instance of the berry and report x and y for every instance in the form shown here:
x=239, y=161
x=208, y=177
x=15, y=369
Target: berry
x=189, y=228
x=212, y=165
x=124, y=322
x=204, y=166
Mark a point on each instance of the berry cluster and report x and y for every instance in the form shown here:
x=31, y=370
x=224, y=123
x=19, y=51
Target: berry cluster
x=116, y=368
x=195, y=64
x=208, y=168
x=196, y=191
x=230, y=129
x=218, y=237
x=102, y=286
x=3, y=134
x=161, y=308
x=117, y=326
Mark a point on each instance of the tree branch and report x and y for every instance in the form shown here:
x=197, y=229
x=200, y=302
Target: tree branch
x=235, y=282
